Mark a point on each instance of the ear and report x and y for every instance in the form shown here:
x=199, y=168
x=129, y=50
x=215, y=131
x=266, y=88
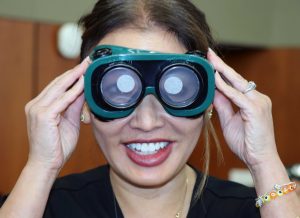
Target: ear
x=86, y=114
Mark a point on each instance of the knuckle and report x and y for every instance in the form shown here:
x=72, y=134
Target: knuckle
x=54, y=81
x=264, y=105
x=240, y=77
x=36, y=113
x=32, y=112
x=59, y=83
x=268, y=101
x=27, y=107
x=59, y=80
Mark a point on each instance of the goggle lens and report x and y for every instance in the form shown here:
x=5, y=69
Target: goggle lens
x=179, y=86
x=121, y=87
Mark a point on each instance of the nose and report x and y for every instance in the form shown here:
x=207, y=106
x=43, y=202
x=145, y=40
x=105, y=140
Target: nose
x=148, y=115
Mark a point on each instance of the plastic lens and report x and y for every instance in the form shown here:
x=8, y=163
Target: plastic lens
x=179, y=86
x=121, y=87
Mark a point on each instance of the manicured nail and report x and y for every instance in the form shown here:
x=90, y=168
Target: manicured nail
x=88, y=59
x=211, y=51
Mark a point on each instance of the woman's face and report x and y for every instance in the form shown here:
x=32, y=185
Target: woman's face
x=149, y=147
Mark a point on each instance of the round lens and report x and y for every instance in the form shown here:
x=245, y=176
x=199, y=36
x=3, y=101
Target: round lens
x=121, y=87
x=179, y=86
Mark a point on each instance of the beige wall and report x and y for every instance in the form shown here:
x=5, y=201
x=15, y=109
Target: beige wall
x=54, y=11
x=243, y=22
x=272, y=23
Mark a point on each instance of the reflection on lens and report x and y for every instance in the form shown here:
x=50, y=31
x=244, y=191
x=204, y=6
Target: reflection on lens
x=173, y=85
x=179, y=86
x=121, y=87
x=125, y=83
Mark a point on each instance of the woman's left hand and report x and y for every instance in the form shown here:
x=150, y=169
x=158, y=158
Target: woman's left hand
x=249, y=130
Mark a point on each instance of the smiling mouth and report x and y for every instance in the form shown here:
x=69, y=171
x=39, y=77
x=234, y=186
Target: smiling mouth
x=147, y=148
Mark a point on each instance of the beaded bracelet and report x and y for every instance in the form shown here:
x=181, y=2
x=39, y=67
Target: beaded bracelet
x=277, y=191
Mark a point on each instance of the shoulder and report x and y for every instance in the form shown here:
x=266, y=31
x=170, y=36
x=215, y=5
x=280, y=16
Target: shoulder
x=83, y=180
x=87, y=194
x=221, y=198
x=228, y=189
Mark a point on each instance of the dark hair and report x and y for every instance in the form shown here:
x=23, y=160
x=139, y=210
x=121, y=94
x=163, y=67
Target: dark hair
x=179, y=17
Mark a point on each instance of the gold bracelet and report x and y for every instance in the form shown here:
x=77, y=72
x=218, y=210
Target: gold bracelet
x=277, y=191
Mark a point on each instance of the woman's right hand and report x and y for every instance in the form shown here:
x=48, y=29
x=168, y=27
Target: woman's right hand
x=53, y=119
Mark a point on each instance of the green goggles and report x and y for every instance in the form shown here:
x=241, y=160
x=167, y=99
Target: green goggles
x=119, y=78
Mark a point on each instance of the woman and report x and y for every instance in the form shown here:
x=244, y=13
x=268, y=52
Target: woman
x=142, y=182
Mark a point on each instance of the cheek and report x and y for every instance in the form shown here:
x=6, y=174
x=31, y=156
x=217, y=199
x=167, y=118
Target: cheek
x=190, y=128
x=192, y=136
x=106, y=133
x=107, y=136
x=189, y=131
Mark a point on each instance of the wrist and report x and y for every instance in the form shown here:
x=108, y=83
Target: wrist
x=268, y=173
x=267, y=166
x=265, y=176
x=31, y=191
x=44, y=162
x=42, y=169
x=257, y=157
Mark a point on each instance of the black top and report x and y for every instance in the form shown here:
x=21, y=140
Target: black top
x=90, y=195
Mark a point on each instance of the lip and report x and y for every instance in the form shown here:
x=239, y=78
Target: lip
x=150, y=160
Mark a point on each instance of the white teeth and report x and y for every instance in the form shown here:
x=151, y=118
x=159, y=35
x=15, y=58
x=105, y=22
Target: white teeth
x=147, y=148
x=144, y=147
x=157, y=146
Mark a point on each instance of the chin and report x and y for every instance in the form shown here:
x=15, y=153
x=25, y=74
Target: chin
x=150, y=181
x=151, y=177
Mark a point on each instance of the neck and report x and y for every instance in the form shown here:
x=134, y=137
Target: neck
x=164, y=200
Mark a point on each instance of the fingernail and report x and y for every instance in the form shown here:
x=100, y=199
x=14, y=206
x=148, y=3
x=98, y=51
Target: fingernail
x=211, y=51
x=87, y=60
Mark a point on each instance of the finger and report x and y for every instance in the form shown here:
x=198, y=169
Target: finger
x=60, y=84
x=223, y=107
x=65, y=81
x=237, y=81
x=72, y=114
x=231, y=77
x=238, y=98
x=61, y=104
